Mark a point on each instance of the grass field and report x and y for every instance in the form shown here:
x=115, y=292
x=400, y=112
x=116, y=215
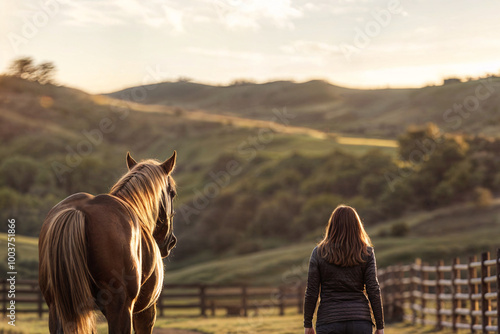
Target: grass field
x=26, y=248
x=288, y=324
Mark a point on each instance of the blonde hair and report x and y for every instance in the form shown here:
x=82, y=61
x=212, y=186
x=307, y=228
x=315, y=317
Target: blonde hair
x=144, y=188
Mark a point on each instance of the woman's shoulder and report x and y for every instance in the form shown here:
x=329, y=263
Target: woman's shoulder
x=370, y=253
x=314, y=251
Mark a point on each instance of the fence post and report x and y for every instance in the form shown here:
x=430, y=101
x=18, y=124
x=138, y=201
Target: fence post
x=460, y=303
x=413, y=290
x=212, y=307
x=281, y=299
x=396, y=295
x=498, y=290
x=472, y=290
x=244, y=300
x=203, y=302
x=425, y=276
x=455, y=274
x=401, y=289
x=439, y=276
x=485, y=288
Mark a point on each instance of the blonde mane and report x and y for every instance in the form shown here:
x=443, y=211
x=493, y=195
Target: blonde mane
x=144, y=188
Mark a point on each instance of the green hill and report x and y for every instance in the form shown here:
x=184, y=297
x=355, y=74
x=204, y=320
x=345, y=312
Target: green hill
x=441, y=234
x=330, y=108
x=58, y=141
x=284, y=181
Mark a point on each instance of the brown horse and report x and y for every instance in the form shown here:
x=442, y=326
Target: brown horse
x=105, y=252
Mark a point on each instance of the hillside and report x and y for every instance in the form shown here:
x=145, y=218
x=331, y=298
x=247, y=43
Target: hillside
x=440, y=234
x=59, y=141
x=330, y=108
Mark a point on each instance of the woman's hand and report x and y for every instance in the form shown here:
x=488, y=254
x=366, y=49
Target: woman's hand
x=311, y=331
x=379, y=331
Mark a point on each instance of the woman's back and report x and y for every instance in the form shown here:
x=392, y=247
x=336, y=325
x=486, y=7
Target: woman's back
x=342, y=290
x=343, y=268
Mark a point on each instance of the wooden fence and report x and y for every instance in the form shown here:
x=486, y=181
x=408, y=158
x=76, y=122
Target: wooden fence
x=457, y=296
x=184, y=299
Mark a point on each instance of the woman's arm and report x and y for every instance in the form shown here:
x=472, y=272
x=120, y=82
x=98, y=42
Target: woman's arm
x=312, y=291
x=373, y=291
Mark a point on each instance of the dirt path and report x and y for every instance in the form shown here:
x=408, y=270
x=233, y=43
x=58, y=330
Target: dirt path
x=172, y=331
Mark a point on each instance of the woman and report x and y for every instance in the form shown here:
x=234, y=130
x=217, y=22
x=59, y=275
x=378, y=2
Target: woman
x=343, y=265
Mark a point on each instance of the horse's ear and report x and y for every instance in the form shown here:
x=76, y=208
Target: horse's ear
x=169, y=164
x=130, y=161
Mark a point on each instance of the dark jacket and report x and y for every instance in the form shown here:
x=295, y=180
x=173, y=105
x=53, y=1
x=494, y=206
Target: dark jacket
x=342, y=291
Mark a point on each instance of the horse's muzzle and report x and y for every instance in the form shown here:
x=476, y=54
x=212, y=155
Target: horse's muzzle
x=173, y=242
x=168, y=246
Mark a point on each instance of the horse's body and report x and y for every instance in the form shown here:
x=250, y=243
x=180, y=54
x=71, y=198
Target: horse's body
x=106, y=252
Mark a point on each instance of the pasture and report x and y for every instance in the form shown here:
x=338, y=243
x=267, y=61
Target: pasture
x=288, y=324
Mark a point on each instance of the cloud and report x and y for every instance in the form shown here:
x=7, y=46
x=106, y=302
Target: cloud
x=233, y=14
x=251, y=14
x=82, y=13
x=311, y=48
x=156, y=13
x=224, y=53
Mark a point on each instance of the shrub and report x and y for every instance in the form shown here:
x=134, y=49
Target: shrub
x=482, y=197
x=400, y=229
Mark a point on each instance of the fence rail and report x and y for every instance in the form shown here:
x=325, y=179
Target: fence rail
x=184, y=299
x=456, y=296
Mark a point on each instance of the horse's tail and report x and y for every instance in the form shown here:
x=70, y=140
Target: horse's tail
x=65, y=271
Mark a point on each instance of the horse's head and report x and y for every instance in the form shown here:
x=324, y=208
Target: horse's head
x=164, y=230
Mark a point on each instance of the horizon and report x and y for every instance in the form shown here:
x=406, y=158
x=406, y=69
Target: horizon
x=462, y=80
x=102, y=47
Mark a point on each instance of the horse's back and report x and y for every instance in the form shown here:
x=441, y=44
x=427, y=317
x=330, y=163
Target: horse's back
x=112, y=235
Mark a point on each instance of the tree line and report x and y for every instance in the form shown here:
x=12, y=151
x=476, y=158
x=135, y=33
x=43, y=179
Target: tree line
x=26, y=68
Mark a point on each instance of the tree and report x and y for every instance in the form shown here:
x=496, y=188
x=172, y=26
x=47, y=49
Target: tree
x=45, y=73
x=400, y=229
x=26, y=69
x=22, y=68
x=19, y=173
x=482, y=197
x=418, y=142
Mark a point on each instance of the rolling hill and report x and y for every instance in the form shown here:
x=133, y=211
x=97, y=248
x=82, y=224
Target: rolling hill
x=59, y=140
x=329, y=108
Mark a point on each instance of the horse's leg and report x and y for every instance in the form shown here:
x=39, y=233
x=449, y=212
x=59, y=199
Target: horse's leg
x=145, y=320
x=118, y=312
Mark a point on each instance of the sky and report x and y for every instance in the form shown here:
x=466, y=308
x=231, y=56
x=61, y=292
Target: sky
x=105, y=45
